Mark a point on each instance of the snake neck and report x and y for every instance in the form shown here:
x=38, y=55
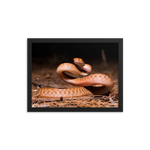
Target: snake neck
x=87, y=68
x=71, y=68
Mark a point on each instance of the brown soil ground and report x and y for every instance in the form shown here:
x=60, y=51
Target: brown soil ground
x=45, y=75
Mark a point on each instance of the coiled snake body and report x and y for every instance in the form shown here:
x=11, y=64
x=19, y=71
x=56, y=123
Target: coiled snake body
x=93, y=84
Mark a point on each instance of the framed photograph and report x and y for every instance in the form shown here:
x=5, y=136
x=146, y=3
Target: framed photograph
x=75, y=75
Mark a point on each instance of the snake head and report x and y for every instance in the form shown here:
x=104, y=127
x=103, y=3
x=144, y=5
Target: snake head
x=79, y=62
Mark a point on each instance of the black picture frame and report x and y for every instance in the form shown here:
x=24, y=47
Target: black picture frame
x=30, y=41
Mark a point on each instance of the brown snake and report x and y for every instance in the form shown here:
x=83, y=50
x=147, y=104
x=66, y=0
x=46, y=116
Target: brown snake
x=93, y=84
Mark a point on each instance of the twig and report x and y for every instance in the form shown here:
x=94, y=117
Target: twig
x=104, y=57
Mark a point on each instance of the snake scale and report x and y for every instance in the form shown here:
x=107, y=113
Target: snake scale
x=87, y=84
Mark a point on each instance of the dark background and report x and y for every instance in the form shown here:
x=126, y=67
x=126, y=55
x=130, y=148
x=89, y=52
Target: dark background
x=62, y=52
